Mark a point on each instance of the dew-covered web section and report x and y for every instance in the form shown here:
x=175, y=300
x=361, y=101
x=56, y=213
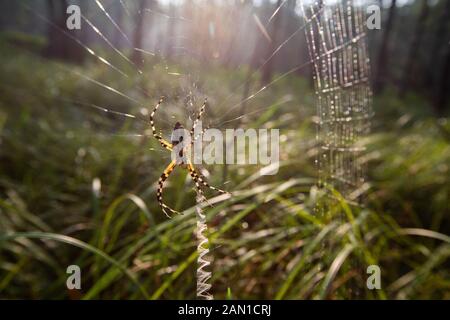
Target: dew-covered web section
x=337, y=43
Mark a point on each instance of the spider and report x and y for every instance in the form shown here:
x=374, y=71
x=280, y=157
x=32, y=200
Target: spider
x=181, y=160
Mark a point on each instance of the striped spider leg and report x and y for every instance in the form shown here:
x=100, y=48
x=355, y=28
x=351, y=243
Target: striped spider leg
x=169, y=169
x=199, y=116
x=163, y=142
x=200, y=181
x=161, y=181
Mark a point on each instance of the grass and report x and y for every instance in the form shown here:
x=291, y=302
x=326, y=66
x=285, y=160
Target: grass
x=267, y=240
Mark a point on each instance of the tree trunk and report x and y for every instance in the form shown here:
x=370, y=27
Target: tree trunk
x=436, y=50
x=60, y=45
x=268, y=67
x=383, y=55
x=117, y=34
x=137, y=57
x=443, y=86
x=55, y=35
x=170, y=35
x=414, y=48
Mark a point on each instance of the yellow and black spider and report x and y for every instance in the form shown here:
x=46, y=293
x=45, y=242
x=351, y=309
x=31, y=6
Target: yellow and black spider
x=181, y=160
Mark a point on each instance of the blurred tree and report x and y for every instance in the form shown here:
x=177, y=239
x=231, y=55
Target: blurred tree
x=253, y=64
x=10, y=19
x=119, y=19
x=271, y=47
x=170, y=34
x=237, y=11
x=291, y=5
x=302, y=52
x=436, y=50
x=60, y=45
x=443, y=84
x=136, y=57
x=413, y=51
x=383, y=55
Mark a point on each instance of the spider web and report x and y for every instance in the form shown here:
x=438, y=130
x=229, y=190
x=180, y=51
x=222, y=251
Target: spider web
x=337, y=43
x=337, y=47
